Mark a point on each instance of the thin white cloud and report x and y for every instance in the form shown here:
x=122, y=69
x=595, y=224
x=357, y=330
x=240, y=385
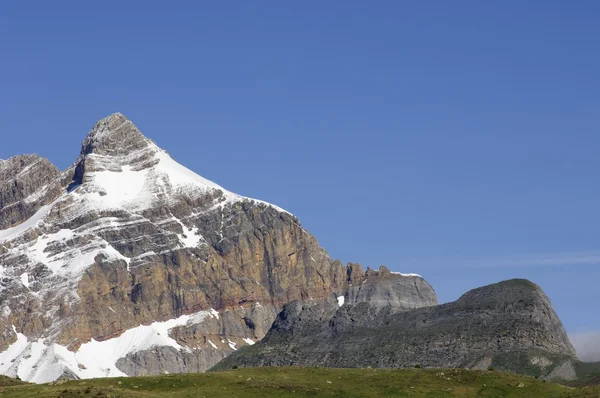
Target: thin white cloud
x=587, y=345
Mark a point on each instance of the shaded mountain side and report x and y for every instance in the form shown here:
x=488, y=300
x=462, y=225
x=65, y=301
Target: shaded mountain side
x=588, y=374
x=502, y=324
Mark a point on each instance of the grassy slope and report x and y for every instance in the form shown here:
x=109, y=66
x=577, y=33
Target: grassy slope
x=588, y=374
x=310, y=382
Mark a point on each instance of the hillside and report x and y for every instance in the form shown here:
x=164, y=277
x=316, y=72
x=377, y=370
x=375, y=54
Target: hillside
x=307, y=382
x=509, y=325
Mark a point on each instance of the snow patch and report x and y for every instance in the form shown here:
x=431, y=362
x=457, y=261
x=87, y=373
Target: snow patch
x=73, y=262
x=399, y=273
x=249, y=341
x=33, y=221
x=340, y=300
x=191, y=236
x=37, y=362
x=25, y=279
x=232, y=345
x=120, y=188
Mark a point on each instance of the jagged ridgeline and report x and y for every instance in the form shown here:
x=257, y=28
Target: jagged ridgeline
x=128, y=263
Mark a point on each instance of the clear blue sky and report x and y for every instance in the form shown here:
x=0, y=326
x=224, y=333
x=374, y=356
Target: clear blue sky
x=458, y=140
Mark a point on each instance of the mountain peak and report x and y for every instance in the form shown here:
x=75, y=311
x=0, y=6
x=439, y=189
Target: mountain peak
x=115, y=135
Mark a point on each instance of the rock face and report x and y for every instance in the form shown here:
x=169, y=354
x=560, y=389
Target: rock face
x=129, y=263
x=383, y=289
x=26, y=184
x=509, y=325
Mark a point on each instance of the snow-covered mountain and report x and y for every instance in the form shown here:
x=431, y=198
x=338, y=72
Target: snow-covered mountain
x=128, y=263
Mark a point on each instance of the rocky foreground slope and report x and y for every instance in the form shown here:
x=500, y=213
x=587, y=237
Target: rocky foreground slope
x=128, y=263
x=509, y=325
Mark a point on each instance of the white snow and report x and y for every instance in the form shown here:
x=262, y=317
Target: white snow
x=121, y=187
x=8, y=357
x=192, y=236
x=15, y=232
x=249, y=341
x=180, y=175
x=25, y=279
x=73, y=262
x=400, y=273
x=340, y=300
x=38, y=362
x=213, y=345
x=118, y=185
x=232, y=345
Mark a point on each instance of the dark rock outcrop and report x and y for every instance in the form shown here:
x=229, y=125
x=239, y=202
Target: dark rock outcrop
x=509, y=325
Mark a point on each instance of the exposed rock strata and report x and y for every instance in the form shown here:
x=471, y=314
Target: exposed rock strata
x=27, y=182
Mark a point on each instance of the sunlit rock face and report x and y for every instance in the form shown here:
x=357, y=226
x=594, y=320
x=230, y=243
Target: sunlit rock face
x=130, y=263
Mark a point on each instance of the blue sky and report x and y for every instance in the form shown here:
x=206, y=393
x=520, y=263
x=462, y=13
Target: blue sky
x=457, y=139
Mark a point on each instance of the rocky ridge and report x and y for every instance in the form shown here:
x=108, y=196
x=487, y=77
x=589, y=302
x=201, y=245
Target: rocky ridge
x=509, y=325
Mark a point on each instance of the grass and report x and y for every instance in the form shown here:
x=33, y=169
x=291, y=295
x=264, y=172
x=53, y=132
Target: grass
x=520, y=362
x=588, y=374
x=310, y=382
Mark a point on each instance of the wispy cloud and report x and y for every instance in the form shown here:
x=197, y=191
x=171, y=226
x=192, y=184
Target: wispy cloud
x=525, y=260
x=587, y=345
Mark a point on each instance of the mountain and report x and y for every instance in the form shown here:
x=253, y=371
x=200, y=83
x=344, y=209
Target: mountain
x=128, y=263
x=508, y=325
